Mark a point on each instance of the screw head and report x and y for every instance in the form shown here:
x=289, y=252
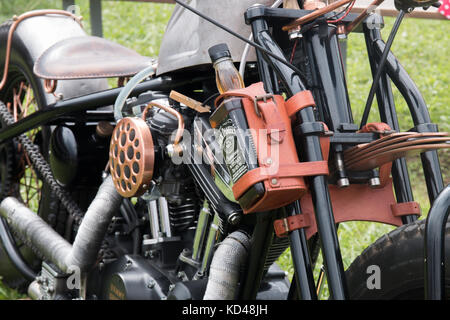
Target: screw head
x=151, y=284
x=234, y=218
x=374, y=182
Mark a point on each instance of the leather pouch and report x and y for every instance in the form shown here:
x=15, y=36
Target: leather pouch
x=278, y=172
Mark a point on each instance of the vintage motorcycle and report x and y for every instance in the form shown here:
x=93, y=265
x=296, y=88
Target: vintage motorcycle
x=187, y=181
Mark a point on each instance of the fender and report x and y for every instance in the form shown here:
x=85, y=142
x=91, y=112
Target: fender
x=34, y=35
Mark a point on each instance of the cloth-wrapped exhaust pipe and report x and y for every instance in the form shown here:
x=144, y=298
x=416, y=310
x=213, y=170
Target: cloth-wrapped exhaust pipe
x=83, y=253
x=227, y=262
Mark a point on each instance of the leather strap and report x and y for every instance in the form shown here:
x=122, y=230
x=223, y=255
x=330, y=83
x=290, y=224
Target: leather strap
x=325, y=143
x=385, y=173
x=300, y=169
x=265, y=106
x=377, y=127
x=381, y=128
x=298, y=102
x=284, y=226
x=405, y=208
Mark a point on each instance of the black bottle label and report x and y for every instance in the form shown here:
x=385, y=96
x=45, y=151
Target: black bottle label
x=232, y=152
x=238, y=148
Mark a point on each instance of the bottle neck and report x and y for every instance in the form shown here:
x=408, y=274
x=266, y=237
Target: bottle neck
x=221, y=60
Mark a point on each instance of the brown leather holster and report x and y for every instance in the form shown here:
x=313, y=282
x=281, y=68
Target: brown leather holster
x=279, y=168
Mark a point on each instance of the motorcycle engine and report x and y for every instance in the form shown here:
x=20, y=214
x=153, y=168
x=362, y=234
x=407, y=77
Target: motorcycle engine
x=166, y=197
x=184, y=208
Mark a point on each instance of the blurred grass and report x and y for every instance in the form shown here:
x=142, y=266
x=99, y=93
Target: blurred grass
x=421, y=45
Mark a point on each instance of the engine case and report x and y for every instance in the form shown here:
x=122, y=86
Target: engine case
x=132, y=277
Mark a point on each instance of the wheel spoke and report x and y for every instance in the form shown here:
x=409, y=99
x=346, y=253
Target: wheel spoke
x=28, y=183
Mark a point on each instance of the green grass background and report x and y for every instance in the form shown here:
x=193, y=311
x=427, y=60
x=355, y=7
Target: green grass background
x=421, y=45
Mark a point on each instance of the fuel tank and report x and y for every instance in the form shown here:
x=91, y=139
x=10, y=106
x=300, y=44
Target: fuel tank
x=187, y=37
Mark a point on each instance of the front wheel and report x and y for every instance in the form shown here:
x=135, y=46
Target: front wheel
x=393, y=266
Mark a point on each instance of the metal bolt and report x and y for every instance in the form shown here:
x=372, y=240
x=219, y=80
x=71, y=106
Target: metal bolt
x=343, y=182
x=151, y=284
x=342, y=36
x=374, y=182
x=234, y=218
x=127, y=265
x=151, y=254
x=170, y=150
x=274, y=181
x=269, y=161
x=295, y=35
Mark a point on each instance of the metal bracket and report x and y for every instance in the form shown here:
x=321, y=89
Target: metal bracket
x=262, y=98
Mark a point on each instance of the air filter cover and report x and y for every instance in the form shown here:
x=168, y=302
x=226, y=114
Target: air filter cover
x=131, y=157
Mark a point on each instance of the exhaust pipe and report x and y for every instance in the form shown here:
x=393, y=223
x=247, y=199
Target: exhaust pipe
x=38, y=234
x=226, y=264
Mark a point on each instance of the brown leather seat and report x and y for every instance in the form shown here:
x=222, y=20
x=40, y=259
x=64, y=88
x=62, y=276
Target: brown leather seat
x=88, y=57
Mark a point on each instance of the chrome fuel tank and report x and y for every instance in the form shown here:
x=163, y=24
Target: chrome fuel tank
x=188, y=37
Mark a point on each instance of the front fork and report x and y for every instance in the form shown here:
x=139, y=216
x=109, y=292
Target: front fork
x=311, y=151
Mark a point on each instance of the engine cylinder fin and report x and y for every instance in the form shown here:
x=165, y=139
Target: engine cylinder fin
x=278, y=246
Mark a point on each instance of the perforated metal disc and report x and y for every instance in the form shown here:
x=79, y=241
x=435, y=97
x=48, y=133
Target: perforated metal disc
x=131, y=157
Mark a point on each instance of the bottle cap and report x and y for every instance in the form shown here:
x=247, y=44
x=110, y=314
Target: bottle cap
x=219, y=51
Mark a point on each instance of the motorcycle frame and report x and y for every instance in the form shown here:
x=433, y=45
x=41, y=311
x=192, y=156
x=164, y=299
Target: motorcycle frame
x=327, y=70
x=270, y=71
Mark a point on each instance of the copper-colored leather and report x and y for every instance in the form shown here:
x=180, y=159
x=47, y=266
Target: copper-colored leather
x=388, y=140
x=313, y=15
x=392, y=145
x=357, y=202
x=379, y=127
x=284, y=226
x=405, y=208
x=88, y=57
x=282, y=176
x=14, y=25
x=299, y=101
x=388, y=154
x=325, y=143
x=371, y=8
x=384, y=174
x=268, y=110
x=299, y=169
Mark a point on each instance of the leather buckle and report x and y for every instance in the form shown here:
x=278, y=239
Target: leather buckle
x=283, y=226
x=264, y=99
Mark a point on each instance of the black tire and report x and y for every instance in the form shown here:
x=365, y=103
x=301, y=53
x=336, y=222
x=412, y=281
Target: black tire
x=400, y=258
x=32, y=37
